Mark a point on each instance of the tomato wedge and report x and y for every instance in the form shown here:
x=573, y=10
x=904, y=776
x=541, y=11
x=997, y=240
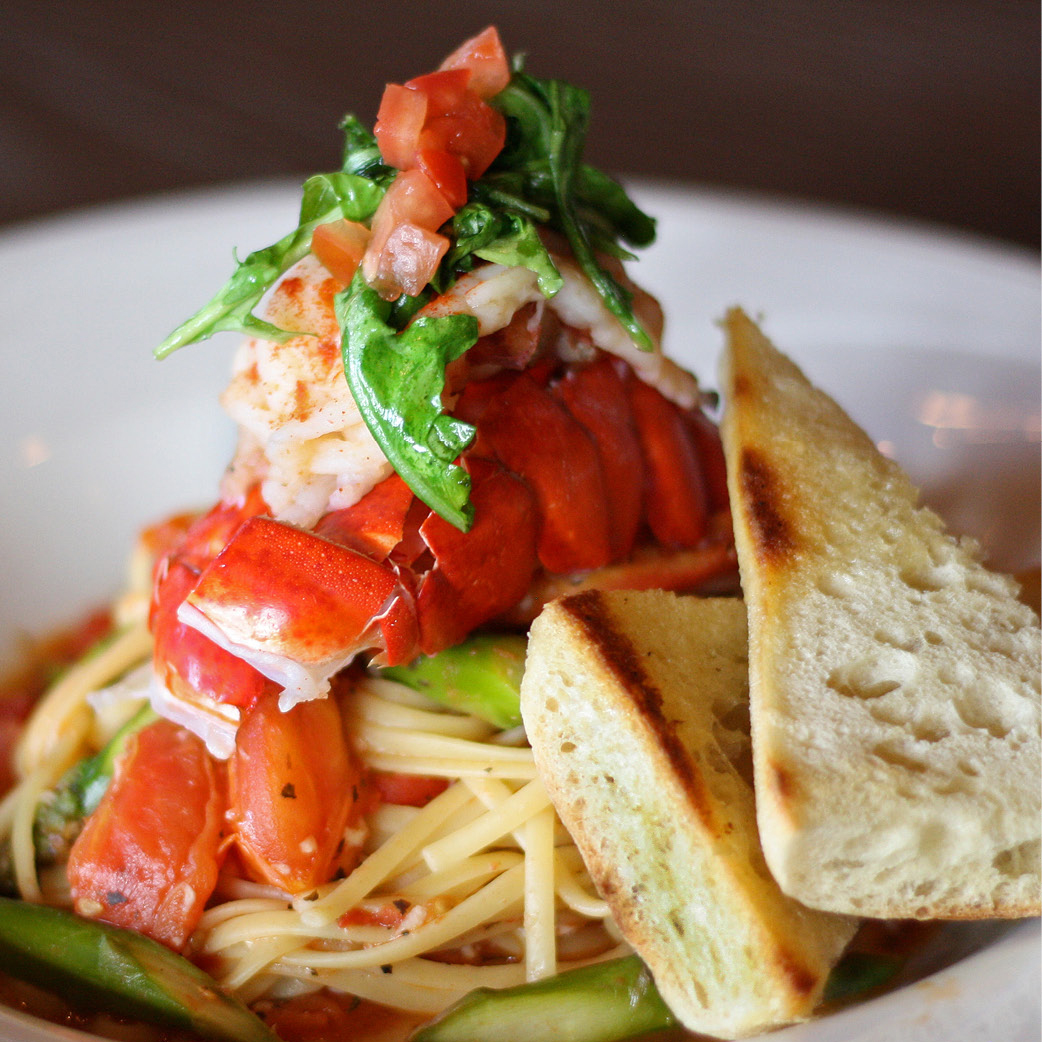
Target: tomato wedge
x=294, y=787
x=483, y=55
x=405, y=249
x=445, y=171
x=339, y=245
x=148, y=856
x=399, y=121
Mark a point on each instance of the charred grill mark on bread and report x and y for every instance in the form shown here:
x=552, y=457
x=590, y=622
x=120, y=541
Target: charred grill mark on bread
x=775, y=538
x=635, y=704
x=894, y=680
x=590, y=610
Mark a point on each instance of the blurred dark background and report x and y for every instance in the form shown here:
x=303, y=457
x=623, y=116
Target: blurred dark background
x=927, y=109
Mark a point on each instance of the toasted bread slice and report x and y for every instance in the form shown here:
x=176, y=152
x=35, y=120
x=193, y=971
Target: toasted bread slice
x=894, y=679
x=636, y=707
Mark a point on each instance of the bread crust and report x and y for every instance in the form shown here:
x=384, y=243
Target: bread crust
x=894, y=679
x=635, y=704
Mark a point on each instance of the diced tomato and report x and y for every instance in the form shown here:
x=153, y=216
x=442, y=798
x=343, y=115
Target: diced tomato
x=399, y=121
x=295, y=786
x=474, y=131
x=445, y=90
x=446, y=173
x=148, y=856
x=412, y=198
x=405, y=249
x=439, y=112
x=484, y=56
x=405, y=262
x=407, y=790
x=339, y=245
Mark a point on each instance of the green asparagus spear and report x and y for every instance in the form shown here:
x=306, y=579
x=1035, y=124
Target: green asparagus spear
x=104, y=967
x=480, y=676
x=605, y=1002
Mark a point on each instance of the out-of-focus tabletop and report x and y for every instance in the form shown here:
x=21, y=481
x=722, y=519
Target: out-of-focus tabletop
x=926, y=109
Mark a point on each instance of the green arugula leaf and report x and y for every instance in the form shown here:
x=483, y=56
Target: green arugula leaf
x=361, y=154
x=349, y=195
x=397, y=379
x=547, y=121
x=501, y=237
x=394, y=364
x=326, y=197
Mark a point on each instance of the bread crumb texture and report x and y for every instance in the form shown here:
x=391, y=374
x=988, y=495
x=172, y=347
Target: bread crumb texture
x=636, y=705
x=894, y=679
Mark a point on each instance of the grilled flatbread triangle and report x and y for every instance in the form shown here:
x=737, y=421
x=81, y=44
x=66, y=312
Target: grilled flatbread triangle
x=894, y=679
x=636, y=706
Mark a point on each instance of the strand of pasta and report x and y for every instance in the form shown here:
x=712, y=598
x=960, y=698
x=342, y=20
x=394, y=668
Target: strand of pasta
x=572, y=893
x=64, y=753
x=375, y=738
x=265, y=930
x=472, y=871
x=64, y=709
x=382, y=862
x=522, y=768
x=415, y=985
x=492, y=900
x=540, y=890
x=226, y=910
x=284, y=922
x=510, y=814
x=370, y=707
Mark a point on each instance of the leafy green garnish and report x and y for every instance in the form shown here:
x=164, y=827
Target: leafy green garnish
x=395, y=369
x=326, y=197
x=361, y=153
x=543, y=164
x=502, y=237
x=397, y=379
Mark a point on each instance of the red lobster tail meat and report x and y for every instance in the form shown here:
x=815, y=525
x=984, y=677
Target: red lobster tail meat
x=711, y=454
x=596, y=397
x=147, y=858
x=189, y=665
x=535, y=436
x=374, y=525
x=480, y=574
x=299, y=607
x=186, y=662
x=676, y=504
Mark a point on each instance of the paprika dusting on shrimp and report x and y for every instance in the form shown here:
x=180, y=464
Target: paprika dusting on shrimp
x=452, y=406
